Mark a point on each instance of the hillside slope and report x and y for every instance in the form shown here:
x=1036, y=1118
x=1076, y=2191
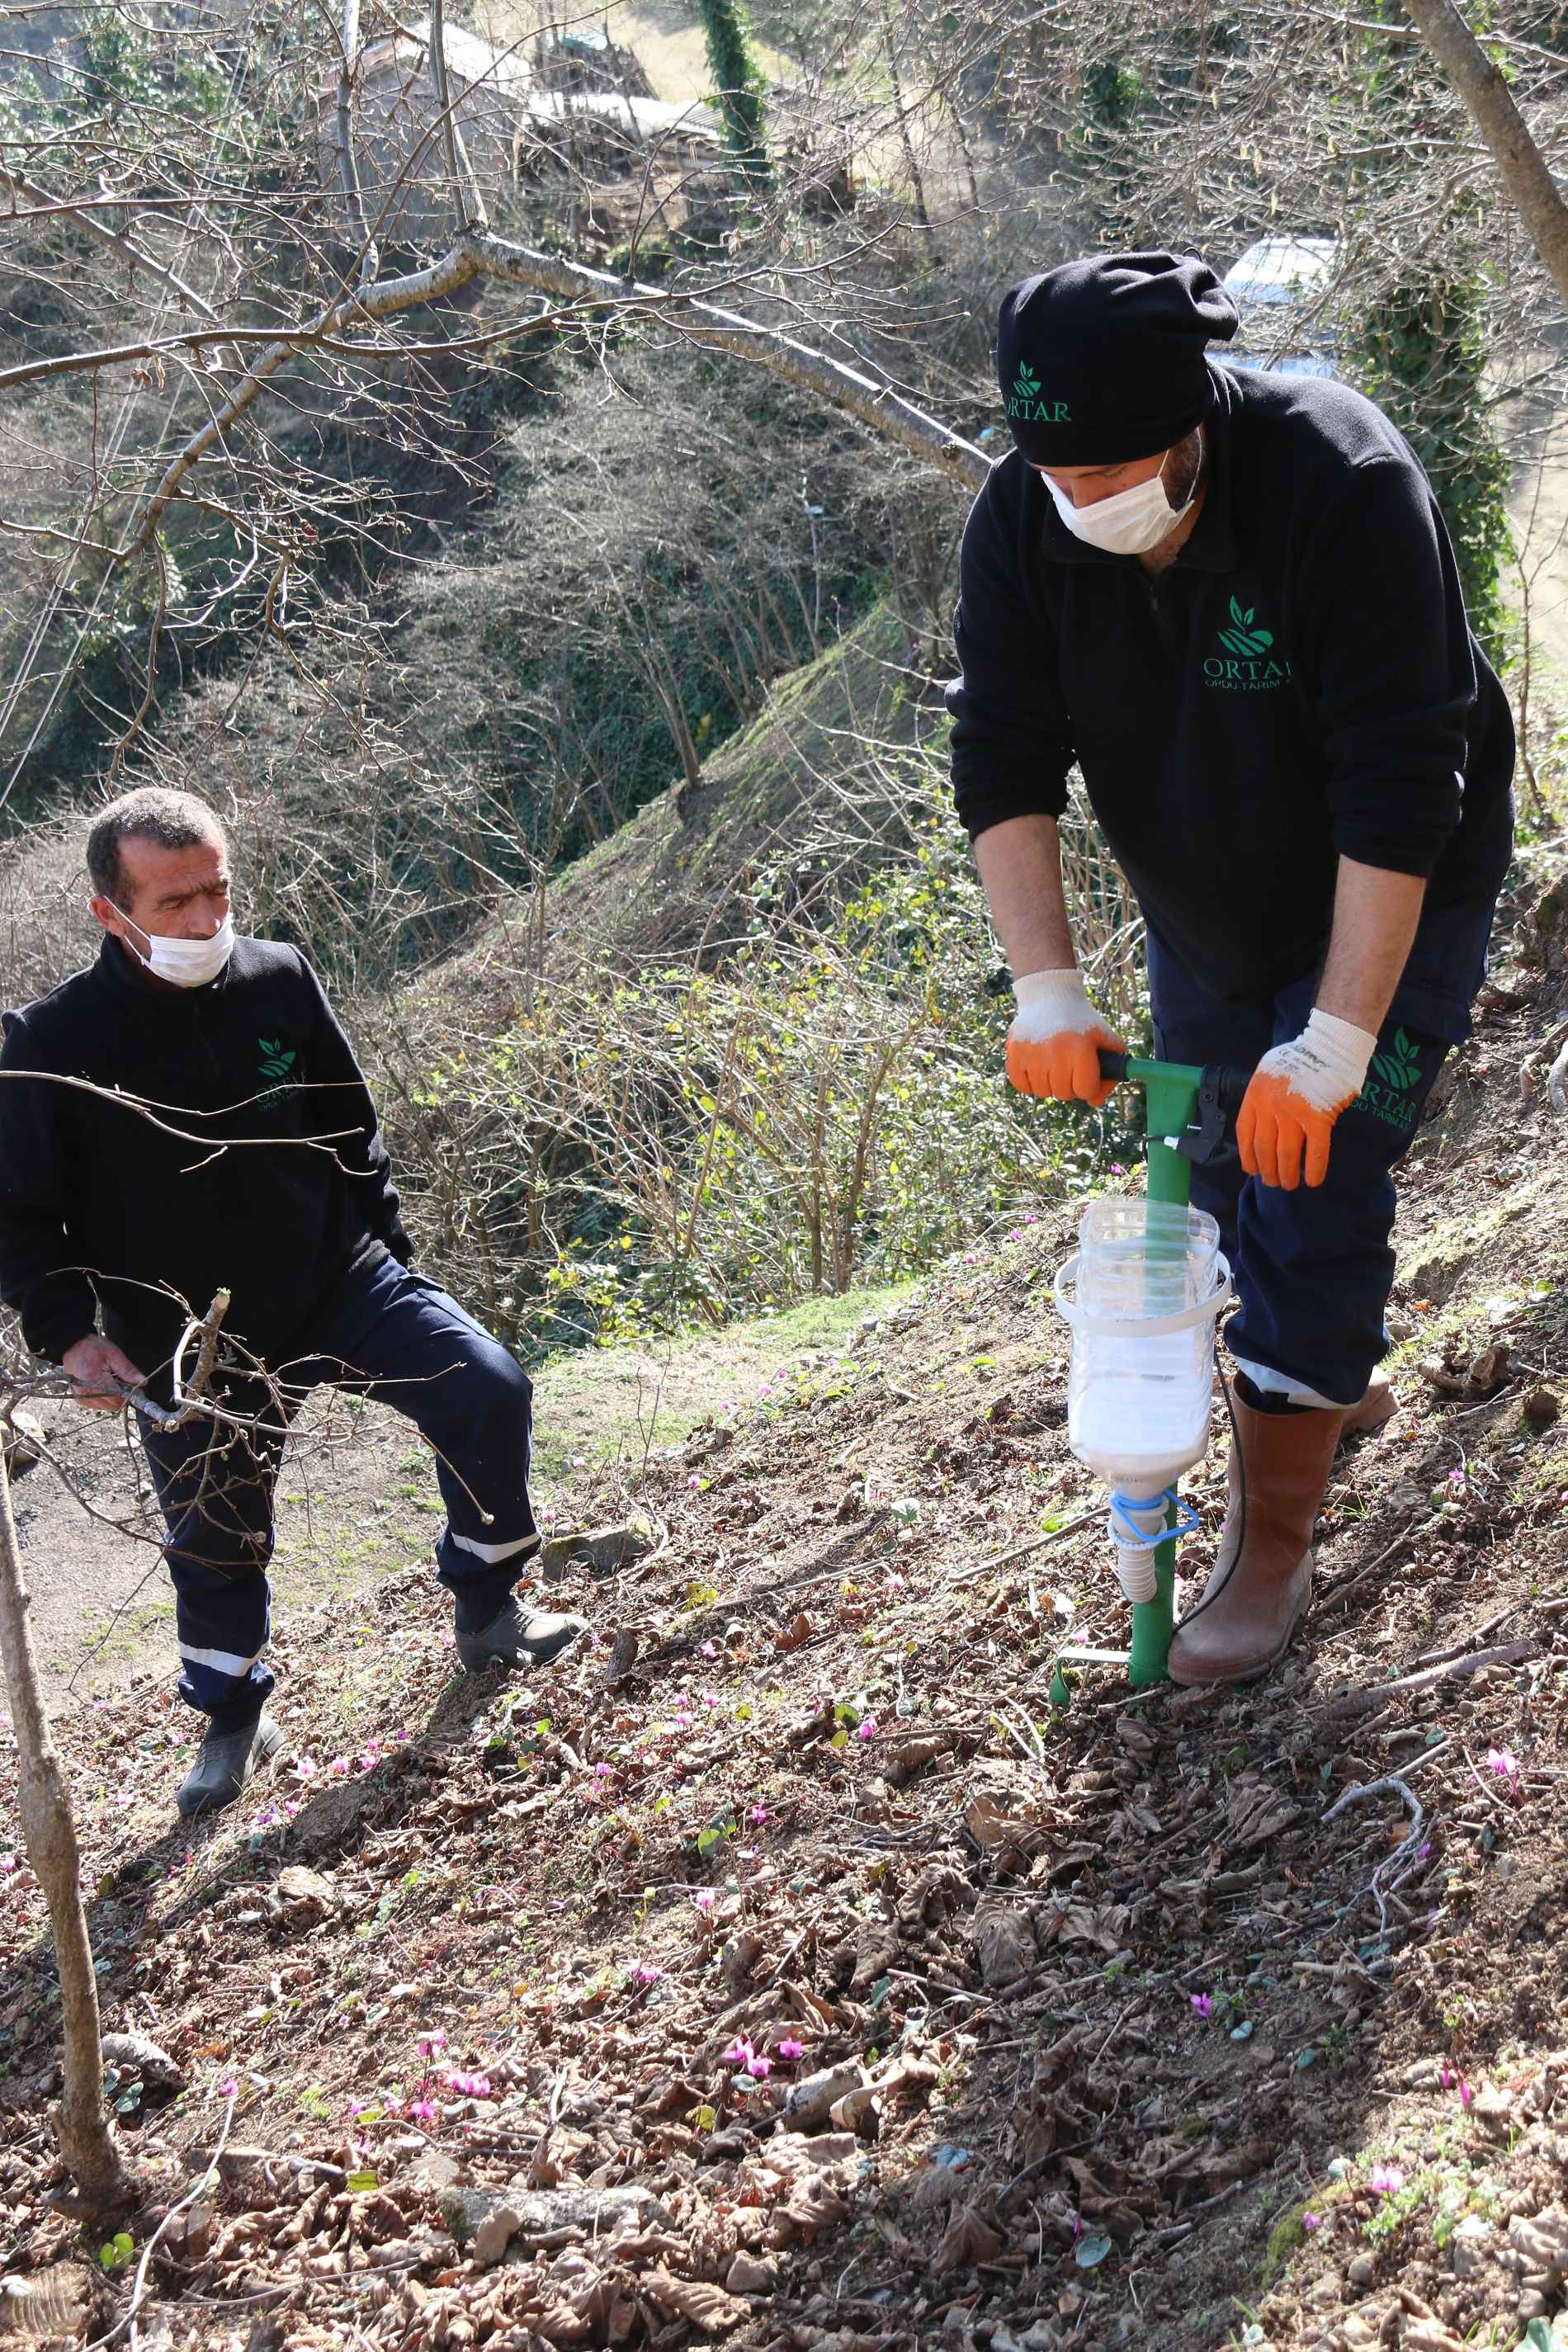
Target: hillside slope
x=1134, y=2049
x=814, y=783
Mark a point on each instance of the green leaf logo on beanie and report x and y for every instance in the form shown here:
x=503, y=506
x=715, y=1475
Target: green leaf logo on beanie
x=1023, y=400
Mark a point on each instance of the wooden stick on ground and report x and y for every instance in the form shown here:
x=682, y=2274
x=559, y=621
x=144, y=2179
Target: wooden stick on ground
x=1356, y=1702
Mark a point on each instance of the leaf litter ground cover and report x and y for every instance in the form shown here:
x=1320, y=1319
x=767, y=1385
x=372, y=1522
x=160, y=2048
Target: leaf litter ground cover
x=785, y=1973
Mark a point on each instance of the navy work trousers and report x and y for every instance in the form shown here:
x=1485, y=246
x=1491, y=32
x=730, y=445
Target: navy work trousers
x=389, y=1334
x=1313, y=1268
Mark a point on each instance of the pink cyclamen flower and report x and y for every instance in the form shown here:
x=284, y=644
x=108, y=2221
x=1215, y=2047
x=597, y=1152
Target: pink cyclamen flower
x=430, y=2044
x=1446, y=2076
x=760, y=2066
x=305, y=1768
x=228, y=2089
x=790, y=2048
x=472, y=2086
x=739, y=2053
x=644, y=1973
x=705, y=1900
x=694, y=1481
x=1204, y=2003
x=339, y=1764
x=1504, y=1763
x=868, y=1728
x=1465, y=2093
x=603, y=1772
x=709, y=1650
x=422, y=2111
x=1384, y=2179
x=1311, y=2220
x=758, y=1814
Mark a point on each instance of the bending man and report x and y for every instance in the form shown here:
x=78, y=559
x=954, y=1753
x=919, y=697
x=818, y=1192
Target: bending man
x=1230, y=597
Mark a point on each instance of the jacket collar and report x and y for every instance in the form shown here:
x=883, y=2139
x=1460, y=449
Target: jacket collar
x=1211, y=545
x=120, y=971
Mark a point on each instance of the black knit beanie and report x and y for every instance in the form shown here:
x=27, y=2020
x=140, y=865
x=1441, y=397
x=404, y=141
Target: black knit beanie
x=1101, y=361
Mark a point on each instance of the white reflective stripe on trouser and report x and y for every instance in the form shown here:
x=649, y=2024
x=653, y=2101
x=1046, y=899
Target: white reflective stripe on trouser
x=491, y=1553
x=1273, y=1383
x=222, y=1661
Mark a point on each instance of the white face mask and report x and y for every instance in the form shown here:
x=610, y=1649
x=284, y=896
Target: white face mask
x=1131, y=523
x=187, y=963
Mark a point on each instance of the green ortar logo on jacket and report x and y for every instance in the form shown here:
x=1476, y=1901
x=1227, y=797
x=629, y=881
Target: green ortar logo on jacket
x=1248, y=664
x=278, y=1061
x=1389, y=1093
x=1023, y=400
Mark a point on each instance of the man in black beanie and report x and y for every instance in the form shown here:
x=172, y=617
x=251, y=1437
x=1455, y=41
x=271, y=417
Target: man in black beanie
x=1230, y=598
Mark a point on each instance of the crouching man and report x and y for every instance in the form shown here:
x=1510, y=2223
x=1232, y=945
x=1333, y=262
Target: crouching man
x=109, y=1223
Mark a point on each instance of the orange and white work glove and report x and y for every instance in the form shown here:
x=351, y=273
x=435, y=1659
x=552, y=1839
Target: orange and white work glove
x=1054, y=1044
x=1297, y=1091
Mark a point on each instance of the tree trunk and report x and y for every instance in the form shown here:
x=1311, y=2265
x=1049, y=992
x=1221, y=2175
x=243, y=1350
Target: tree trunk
x=49, y=1832
x=1488, y=99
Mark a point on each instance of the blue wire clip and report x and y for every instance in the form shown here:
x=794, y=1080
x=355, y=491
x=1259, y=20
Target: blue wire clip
x=1126, y=1530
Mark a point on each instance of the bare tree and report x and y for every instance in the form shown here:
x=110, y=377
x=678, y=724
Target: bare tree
x=1523, y=168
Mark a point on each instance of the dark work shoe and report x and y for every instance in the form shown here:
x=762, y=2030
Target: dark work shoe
x=225, y=1762
x=516, y=1636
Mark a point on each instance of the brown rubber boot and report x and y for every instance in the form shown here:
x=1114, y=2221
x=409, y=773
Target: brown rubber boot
x=1377, y=1405
x=1262, y=1577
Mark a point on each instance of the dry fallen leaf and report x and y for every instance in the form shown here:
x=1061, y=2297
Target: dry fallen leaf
x=968, y=2239
x=707, y=2307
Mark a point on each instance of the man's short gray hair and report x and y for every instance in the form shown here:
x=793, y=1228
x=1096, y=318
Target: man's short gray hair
x=153, y=812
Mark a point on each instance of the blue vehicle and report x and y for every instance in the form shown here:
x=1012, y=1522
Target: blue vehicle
x=1277, y=285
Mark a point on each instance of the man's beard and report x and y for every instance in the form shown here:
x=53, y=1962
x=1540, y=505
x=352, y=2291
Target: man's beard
x=1186, y=463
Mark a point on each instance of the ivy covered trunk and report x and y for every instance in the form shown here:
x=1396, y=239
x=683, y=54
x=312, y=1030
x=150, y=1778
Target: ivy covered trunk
x=1420, y=352
x=737, y=82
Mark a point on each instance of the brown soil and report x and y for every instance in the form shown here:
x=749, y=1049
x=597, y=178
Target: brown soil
x=1156, y=2066
x=357, y=1501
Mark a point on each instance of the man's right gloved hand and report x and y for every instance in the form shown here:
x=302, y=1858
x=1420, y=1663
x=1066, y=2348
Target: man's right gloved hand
x=1054, y=1044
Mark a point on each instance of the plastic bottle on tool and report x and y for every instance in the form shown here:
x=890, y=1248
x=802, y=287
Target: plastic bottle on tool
x=1138, y=1403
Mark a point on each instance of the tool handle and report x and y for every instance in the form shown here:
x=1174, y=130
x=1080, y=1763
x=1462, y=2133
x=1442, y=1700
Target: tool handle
x=1219, y=1097
x=1227, y=1080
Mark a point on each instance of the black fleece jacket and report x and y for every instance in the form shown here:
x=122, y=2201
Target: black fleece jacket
x=1300, y=682
x=101, y=1211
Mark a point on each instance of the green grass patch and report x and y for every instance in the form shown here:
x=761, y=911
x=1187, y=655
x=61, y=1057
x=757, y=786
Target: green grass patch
x=601, y=1405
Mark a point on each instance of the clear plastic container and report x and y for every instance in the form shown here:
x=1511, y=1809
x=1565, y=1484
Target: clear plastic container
x=1149, y=1283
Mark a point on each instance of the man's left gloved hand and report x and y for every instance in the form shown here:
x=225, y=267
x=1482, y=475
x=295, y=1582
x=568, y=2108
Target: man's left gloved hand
x=1297, y=1093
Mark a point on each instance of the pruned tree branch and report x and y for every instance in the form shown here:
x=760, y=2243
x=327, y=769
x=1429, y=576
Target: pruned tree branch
x=1487, y=98
x=348, y=163
x=464, y=187
x=87, y=2138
